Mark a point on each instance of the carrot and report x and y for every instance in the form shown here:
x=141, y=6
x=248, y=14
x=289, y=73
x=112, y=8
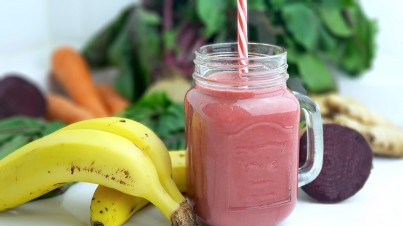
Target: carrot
x=112, y=99
x=63, y=109
x=71, y=71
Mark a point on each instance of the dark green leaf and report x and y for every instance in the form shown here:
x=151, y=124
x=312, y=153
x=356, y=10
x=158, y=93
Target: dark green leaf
x=96, y=50
x=149, y=17
x=358, y=51
x=12, y=145
x=278, y=3
x=211, y=12
x=51, y=127
x=292, y=54
x=18, y=122
x=335, y=22
x=124, y=82
x=336, y=4
x=146, y=38
x=256, y=5
x=135, y=51
x=302, y=23
x=327, y=42
x=317, y=77
x=5, y=137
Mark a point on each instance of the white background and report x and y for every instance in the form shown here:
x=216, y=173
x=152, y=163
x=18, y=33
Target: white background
x=29, y=30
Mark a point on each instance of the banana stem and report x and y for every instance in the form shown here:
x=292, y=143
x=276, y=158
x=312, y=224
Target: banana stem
x=163, y=201
x=179, y=214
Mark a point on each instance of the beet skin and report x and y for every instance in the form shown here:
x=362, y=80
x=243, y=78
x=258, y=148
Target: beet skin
x=20, y=97
x=347, y=163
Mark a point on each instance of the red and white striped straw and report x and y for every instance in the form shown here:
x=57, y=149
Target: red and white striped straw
x=243, y=32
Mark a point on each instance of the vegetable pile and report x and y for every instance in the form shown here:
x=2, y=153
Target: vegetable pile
x=146, y=39
x=156, y=39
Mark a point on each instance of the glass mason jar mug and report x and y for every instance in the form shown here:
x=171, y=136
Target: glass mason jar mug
x=242, y=135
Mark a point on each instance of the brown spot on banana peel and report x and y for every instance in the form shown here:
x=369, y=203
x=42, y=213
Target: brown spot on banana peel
x=184, y=216
x=97, y=223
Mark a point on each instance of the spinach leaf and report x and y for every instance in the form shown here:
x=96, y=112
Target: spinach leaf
x=335, y=22
x=162, y=115
x=302, y=23
x=317, y=77
x=211, y=13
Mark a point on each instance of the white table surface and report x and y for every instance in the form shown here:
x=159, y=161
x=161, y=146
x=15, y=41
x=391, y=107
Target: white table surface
x=378, y=203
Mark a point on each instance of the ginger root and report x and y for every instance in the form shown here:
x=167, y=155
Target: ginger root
x=385, y=138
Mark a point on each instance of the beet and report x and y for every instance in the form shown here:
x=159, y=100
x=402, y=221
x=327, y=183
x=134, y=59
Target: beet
x=347, y=163
x=18, y=96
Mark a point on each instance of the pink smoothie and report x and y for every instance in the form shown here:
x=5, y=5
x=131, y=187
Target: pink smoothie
x=242, y=154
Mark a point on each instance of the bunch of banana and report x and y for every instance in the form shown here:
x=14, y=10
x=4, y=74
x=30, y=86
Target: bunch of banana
x=113, y=208
x=116, y=153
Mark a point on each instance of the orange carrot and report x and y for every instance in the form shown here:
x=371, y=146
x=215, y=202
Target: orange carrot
x=63, y=109
x=71, y=71
x=112, y=99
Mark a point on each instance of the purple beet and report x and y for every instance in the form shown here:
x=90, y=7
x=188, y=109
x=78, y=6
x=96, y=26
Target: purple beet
x=347, y=163
x=20, y=97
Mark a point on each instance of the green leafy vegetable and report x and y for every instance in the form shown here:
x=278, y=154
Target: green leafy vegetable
x=163, y=116
x=148, y=38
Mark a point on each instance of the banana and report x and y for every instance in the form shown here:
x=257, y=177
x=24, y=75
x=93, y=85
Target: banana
x=113, y=208
x=88, y=156
x=142, y=137
x=178, y=159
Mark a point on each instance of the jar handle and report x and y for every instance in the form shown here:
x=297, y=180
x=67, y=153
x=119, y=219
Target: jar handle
x=314, y=129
